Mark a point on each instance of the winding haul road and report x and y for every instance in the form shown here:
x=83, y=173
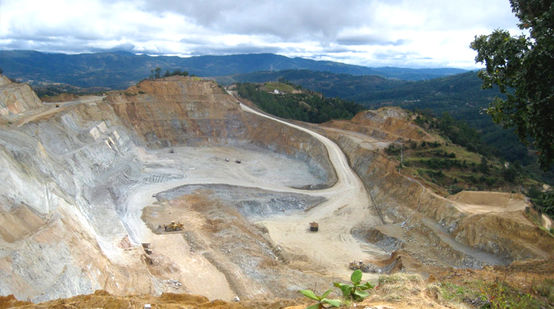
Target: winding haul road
x=330, y=250
x=347, y=206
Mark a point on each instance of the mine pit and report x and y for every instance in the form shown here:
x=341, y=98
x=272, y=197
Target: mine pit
x=177, y=188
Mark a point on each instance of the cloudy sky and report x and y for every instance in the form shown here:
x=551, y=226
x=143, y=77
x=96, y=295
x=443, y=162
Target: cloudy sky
x=408, y=33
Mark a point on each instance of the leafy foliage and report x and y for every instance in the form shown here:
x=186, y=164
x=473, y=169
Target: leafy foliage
x=521, y=67
x=305, y=106
x=355, y=291
x=499, y=295
x=462, y=162
x=543, y=201
x=322, y=300
x=459, y=132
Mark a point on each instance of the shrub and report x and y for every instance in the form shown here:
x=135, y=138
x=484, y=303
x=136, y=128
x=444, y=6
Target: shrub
x=355, y=291
x=322, y=300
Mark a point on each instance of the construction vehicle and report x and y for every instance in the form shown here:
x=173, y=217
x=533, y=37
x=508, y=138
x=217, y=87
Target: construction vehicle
x=173, y=227
x=314, y=227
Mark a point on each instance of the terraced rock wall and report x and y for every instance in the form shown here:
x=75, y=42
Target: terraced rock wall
x=65, y=174
x=402, y=200
x=187, y=111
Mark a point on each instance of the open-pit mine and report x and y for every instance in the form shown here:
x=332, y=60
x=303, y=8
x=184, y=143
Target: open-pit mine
x=176, y=185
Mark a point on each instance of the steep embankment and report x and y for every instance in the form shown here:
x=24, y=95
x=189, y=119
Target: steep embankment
x=470, y=229
x=16, y=99
x=196, y=113
x=75, y=173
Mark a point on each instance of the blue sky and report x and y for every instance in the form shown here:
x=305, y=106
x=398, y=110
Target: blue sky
x=424, y=33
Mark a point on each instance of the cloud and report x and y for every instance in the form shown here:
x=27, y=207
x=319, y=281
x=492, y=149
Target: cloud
x=361, y=39
x=355, y=31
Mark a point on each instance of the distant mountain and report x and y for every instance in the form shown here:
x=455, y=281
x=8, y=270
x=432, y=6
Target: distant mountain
x=119, y=70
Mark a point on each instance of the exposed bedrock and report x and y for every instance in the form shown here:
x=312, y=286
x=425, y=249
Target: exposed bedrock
x=218, y=227
x=67, y=171
x=16, y=98
x=171, y=112
x=250, y=202
x=440, y=233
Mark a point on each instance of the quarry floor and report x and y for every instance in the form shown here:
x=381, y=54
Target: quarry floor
x=210, y=272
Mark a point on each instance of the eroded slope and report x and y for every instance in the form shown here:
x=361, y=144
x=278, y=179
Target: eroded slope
x=77, y=174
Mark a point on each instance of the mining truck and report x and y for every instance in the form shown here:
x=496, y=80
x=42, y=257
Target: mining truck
x=173, y=227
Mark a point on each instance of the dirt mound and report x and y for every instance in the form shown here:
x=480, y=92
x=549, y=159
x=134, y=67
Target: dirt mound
x=508, y=201
x=216, y=229
x=387, y=123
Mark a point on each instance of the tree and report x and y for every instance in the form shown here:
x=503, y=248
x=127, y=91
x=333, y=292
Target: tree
x=522, y=68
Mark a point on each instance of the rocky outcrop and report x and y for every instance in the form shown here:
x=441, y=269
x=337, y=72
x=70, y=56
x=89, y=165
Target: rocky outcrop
x=189, y=111
x=67, y=174
x=57, y=210
x=16, y=98
x=401, y=199
x=387, y=123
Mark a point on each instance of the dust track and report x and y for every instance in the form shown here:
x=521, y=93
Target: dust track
x=347, y=205
x=330, y=250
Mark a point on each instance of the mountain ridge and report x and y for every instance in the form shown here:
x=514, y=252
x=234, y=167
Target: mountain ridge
x=120, y=69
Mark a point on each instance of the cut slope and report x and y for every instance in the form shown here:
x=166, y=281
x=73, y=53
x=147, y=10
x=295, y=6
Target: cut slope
x=79, y=174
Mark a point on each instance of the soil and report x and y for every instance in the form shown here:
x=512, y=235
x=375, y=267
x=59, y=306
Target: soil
x=96, y=178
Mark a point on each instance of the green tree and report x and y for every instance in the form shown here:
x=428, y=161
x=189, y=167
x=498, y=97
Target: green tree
x=521, y=67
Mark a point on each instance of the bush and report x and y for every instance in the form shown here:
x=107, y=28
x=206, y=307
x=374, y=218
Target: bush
x=355, y=291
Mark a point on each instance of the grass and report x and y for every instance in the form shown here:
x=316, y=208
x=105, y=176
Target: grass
x=449, y=168
x=497, y=294
x=282, y=87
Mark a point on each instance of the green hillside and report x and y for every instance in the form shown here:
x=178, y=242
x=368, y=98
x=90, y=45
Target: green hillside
x=459, y=96
x=289, y=101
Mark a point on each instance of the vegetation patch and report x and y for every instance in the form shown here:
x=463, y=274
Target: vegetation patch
x=496, y=294
x=292, y=102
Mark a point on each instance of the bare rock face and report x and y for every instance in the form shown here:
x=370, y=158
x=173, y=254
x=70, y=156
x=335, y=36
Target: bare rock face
x=387, y=123
x=16, y=98
x=76, y=179
x=187, y=111
x=470, y=229
x=67, y=177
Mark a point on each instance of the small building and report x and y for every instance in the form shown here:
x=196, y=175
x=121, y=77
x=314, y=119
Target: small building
x=314, y=227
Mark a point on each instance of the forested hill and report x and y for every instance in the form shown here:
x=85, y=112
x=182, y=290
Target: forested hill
x=459, y=95
x=118, y=70
x=290, y=101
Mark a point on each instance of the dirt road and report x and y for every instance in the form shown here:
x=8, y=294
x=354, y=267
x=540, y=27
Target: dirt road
x=56, y=107
x=348, y=205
